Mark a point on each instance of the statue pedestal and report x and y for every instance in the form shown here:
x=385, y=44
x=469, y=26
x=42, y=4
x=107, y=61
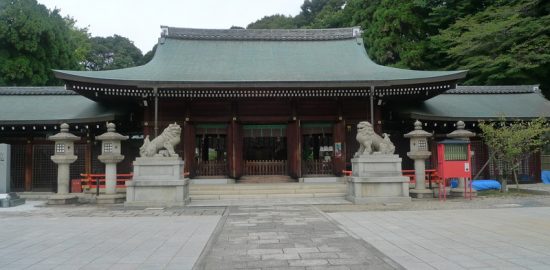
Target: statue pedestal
x=157, y=182
x=377, y=178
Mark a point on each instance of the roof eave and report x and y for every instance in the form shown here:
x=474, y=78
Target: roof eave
x=104, y=118
x=267, y=84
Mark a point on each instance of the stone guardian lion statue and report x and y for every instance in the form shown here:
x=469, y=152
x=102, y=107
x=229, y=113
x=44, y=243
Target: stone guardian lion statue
x=163, y=145
x=371, y=143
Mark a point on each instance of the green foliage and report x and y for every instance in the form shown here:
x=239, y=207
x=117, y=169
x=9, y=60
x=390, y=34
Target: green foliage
x=274, y=22
x=503, y=44
x=397, y=33
x=148, y=56
x=112, y=53
x=35, y=40
x=498, y=41
x=512, y=141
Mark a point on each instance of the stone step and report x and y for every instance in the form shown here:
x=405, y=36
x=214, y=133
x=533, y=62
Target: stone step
x=262, y=191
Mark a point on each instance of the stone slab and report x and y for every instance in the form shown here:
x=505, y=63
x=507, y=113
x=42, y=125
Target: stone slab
x=57, y=199
x=110, y=198
x=377, y=200
x=212, y=181
x=329, y=179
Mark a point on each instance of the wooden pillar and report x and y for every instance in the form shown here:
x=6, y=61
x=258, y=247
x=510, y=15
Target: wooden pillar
x=189, y=148
x=28, y=165
x=88, y=156
x=147, y=121
x=235, y=149
x=377, y=125
x=339, y=135
x=294, y=149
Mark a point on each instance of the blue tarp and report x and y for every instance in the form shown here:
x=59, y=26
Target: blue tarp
x=485, y=185
x=545, y=176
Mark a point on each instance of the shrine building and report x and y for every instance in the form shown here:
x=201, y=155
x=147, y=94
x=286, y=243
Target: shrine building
x=251, y=103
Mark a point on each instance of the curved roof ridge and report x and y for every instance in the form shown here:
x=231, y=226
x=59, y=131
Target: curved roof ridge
x=35, y=91
x=493, y=89
x=261, y=34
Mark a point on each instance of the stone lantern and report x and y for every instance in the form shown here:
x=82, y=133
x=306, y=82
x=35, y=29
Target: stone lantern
x=111, y=155
x=419, y=153
x=461, y=134
x=63, y=157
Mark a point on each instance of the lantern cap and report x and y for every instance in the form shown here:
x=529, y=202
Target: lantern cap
x=418, y=132
x=461, y=133
x=111, y=134
x=64, y=134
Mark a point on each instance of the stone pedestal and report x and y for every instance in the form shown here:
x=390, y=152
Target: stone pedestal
x=420, y=190
x=63, y=177
x=157, y=182
x=377, y=178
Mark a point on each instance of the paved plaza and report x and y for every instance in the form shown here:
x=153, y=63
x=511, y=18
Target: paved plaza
x=502, y=233
x=511, y=238
x=62, y=238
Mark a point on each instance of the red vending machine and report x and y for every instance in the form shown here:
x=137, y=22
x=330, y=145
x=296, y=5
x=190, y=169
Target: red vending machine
x=454, y=160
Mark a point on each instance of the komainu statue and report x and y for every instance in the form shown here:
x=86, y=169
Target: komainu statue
x=163, y=145
x=370, y=142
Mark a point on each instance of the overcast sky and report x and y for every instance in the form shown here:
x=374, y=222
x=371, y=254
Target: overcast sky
x=140, y=20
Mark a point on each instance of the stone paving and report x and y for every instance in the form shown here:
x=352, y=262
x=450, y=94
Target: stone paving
x=511, y=238
x=287, y=237
x=89, y=237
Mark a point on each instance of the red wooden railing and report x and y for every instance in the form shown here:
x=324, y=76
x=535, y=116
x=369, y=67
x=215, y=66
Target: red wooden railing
x=211, y=168
x=317, y=167
x=90, y=181
x=265, y=167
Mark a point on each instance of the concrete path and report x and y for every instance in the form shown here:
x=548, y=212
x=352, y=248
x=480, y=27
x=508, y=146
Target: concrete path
x=286, y=237
x=512, y=238
x=103, y=238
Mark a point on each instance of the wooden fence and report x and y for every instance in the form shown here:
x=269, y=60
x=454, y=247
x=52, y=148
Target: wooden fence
x=211, y=168
x=317, y=167
x=265, y=167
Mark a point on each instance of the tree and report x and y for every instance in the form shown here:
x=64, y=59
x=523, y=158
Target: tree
x=148, y=56
x=511, y=142
x=277, y=21
x=35, y=40
x=398, y=33
x=112, y=53
x=506, y=43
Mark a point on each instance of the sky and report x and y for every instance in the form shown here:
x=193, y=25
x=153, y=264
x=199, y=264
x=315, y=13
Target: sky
x=140, y=20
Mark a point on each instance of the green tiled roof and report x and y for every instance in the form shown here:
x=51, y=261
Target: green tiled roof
x=303, y=57
x=49, y=105
x=472, y=103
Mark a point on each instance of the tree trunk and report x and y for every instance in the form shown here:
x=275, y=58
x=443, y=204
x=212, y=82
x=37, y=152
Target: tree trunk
x=516, y=178
x=503, y=183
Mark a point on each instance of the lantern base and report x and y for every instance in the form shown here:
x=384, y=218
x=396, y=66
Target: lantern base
x=421, y=193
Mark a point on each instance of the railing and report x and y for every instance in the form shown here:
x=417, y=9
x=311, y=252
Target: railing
x=90, y=181
x=317, y=167
x=211, y=168
x=430, y=175
x=265, y=167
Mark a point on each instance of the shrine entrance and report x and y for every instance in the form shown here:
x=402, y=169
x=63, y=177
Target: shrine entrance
x=317, y=149
x=265, y=150
x=211, y=150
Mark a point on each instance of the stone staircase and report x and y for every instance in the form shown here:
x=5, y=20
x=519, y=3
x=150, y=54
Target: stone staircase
x=266, y=191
